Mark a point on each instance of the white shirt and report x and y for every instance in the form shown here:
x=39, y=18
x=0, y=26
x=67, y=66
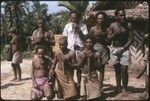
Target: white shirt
x=72, y=37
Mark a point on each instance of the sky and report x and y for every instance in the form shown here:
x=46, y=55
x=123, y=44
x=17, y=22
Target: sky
x=53, y=6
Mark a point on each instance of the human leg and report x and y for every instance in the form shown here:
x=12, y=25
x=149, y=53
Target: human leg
x=19, y=71
x=118, y=77
x=14, y=71
x=124, y=75
x=101, y=78
x=48, y=91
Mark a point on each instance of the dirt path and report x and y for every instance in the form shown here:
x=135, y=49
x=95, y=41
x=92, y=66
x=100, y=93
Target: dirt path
x=21, y=90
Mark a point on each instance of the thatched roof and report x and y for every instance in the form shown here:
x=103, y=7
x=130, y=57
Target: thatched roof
x=133, y=8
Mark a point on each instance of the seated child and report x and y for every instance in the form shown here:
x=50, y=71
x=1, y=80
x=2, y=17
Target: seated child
x=40, y=76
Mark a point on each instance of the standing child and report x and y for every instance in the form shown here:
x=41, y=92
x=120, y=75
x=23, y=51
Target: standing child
x=40, y=70
x=16, y=55
x=64, y=72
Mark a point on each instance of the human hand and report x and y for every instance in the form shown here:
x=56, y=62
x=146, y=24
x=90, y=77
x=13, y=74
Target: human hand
x=89, y=54
x=35, y=85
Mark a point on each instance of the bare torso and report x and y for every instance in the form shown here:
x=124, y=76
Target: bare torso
x=120, y=34
x=41, y=67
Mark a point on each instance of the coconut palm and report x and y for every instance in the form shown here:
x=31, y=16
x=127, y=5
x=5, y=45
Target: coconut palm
x=80, y=6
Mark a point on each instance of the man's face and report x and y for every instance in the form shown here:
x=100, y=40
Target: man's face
x=62, y=45
x=40, y=23
x=89, y=44
x=41, y=53
x=100, y=18
x=74, y=17
x=121, y=16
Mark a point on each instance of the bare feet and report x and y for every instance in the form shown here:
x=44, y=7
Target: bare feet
x=14, y=79
x=18, y=80
x=125, y=92
x=118, y=89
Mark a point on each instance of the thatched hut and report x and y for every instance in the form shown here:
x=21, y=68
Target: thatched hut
x=136, y=12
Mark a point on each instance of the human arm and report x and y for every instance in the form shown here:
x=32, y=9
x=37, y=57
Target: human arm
x=35, y=39
x=131, y=35
x=77, y=63
x=52, y=68
x=110, y=32
x=35, y=85
x=81, y=30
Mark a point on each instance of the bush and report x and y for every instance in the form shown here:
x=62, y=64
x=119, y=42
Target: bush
x=4, y=52
x=28, y=54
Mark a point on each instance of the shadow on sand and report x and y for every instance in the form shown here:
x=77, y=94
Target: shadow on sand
x=110, y=91
x=10, y=84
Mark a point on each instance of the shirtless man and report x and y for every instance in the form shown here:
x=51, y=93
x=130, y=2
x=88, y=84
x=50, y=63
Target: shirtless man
x=40, y=73
x=120, y=33
x=100, y=36
x=64, y=72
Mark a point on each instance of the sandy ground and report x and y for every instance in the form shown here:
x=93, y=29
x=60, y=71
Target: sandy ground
x=21, y=90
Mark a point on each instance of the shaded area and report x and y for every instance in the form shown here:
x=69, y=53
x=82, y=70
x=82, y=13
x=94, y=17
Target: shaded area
x=24, y=79
x=10, y=84
x=110, y=91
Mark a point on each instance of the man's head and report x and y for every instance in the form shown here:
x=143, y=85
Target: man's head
x=63, y=43
x=40, y=23
x=120, y=15
x=74, y=16
x=100, y=17
x=40, y=51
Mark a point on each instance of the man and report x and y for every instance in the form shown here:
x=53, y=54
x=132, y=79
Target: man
x=100, y=36
x=75, y=31
x=15, y=45
x=41, y=37
x=120, y=33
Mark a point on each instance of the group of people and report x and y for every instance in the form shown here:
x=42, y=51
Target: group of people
x=83, y=53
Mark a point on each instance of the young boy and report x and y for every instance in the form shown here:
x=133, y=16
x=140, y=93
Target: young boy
x=16, y=55
x=64, y=72
x=90, y=63
x=40, y=76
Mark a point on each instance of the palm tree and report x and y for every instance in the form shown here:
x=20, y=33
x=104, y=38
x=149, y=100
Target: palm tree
x=80, y=6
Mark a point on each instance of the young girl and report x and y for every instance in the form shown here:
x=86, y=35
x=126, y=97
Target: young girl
x=40, y=76
x=90, y=63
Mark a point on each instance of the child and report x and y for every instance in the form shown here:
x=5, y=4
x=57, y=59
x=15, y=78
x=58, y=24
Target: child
x=64, y=72
x=90, y=63
x=40, y=71
x=16, y=55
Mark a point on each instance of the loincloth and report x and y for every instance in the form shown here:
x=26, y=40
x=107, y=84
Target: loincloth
x=90, y=86
x=66, y=83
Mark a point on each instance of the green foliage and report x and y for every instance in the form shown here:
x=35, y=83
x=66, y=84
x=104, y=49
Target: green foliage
x=4, y=52
x=28, y=54
x=80, y=6
x=59, y=21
